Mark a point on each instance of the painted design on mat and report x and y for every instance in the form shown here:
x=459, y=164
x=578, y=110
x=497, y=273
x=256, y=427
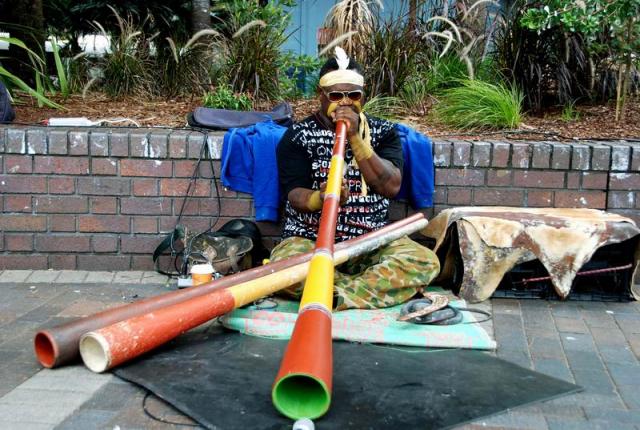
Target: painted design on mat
x=372, y=326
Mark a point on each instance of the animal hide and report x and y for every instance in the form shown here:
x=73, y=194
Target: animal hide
x=493, y=240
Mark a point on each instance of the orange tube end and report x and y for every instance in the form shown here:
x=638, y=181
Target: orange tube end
x=46, y=349
x=302, y=388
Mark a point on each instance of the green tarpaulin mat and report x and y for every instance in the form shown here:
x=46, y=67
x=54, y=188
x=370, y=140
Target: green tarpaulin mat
x=275, y=318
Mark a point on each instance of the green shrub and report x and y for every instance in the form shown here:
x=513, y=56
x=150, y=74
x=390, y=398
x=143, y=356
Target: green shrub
x=445, y=72
x=382, y=106
x=224, y=98
x=128, y=68
x=186, y=68
x=255, y=34
x=299, y=75
x=569, y=112
x=391, y=56
x=551, y=66
x=480, y=105
x=13, y=82
x=415, y=95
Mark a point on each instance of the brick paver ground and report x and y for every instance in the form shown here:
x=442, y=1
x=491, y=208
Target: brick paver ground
x=593, y=344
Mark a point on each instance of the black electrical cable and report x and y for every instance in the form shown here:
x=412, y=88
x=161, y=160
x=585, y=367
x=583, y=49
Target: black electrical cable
x=162, y=420
x=196, y=173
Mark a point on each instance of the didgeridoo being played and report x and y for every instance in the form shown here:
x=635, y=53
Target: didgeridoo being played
x=117, y=343
x=302, y=388
x=59, y=345
x=359, y=176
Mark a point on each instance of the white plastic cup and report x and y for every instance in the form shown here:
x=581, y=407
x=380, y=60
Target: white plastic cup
x=201, y=274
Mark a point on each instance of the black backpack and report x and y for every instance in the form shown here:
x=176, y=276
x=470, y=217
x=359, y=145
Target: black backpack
x=6, y=110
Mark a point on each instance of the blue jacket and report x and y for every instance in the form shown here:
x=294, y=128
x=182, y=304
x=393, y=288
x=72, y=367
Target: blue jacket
x=418, y=173
x=249, y=166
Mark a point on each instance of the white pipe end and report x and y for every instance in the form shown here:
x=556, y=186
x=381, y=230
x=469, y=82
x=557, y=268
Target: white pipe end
x=94, y=351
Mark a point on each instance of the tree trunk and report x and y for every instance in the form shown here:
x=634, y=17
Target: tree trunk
x=413, y=15
x=26, y=22
x=200, y=19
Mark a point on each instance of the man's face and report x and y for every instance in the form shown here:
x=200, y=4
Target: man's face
x=347, y=98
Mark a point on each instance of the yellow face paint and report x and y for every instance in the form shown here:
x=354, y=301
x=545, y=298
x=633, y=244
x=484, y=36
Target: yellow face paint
x=333, y=106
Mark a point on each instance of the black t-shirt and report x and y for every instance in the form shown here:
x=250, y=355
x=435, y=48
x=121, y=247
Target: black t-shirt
x=304, y=157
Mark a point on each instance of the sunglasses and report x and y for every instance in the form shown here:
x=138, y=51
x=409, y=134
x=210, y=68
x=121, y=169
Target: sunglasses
x=337, y=96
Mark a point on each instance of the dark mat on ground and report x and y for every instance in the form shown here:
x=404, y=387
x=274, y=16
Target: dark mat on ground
x=223, y=380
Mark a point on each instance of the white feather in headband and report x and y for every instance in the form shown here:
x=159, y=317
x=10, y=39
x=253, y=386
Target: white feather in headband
x=343, y=75
x=342, y=58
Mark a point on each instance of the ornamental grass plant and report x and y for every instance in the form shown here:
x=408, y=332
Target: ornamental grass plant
x=476, y=105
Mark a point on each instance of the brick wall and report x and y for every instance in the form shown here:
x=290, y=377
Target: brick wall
x=102, y=199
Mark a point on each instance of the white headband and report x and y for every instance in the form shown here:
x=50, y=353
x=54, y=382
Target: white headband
x=342, y=77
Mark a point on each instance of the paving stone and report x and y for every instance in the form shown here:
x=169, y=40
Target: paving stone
x=113, y=396
x=537, y=318
x=155, y=278
x=598, y=319
x=534, y=304
x=628, y=323
x=506, y=306
x=71, y=378
x=625, y=374
x=10, y=381
x=537, y=332
x=613, y=415
x=517, y=420
x=617, y=355
x=557, y=368
x=622, y=308
x=518, y=357
x=565, y=310
x=577, y=342
x=14, y=275
x=71, y=276
x=551, y=409
x=594, y=381
x=44, y=312
x=41, y=398
x=131, y=277
x=8, y=425
x=608, y=337
x=40, y=276
x=634, y=343
x=28, y=414
x=571, y=325
x=544, y=347
x=559, y=424
x=585, y=399
x=82, y=308
x=100, y=277
x=579, y=360
x=87, y=419
x=630, y=396
x=591, y=305
x=516, y=341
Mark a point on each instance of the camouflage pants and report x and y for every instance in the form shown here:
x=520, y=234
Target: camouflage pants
x=385, y=277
